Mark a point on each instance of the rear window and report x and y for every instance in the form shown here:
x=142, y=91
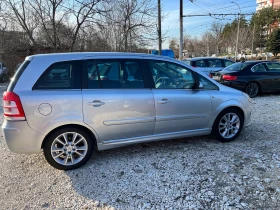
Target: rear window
x=17, y=75
x=236, y=67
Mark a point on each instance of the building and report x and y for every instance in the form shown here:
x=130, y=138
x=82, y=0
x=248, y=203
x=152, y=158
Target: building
x=267, y=3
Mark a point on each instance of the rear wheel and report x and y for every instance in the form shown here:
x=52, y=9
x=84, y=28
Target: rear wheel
x=228, y=125
x=252, y=89
x=68, y=148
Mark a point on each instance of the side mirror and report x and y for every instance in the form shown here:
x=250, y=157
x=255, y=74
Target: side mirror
x=200, y=86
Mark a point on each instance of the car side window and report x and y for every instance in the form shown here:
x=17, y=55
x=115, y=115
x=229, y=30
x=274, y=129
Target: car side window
x=114, y=74
x=274, y=67
x=215, y=63
x=199, y=63
x=259, y=68
x=228, y=63
x=207, y=84
x=168, y=75
x=61, y=75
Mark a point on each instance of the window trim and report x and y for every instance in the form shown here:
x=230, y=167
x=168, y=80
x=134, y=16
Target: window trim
x=59, y=89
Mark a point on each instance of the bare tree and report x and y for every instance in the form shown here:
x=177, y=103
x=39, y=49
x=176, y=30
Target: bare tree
x=24, y=16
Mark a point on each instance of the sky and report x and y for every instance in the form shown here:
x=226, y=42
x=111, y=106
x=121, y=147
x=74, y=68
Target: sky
x=195, y=26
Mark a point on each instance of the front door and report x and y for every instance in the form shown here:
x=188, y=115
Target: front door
x=116, y=103
x=178, y=106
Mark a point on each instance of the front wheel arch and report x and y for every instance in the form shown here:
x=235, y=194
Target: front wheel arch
x=215, y=124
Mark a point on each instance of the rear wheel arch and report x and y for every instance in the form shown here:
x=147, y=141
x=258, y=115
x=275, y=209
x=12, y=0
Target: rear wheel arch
x=85, y=129
x=259, y=85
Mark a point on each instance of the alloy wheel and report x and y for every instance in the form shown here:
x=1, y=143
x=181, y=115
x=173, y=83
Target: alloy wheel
x=229, y=125
x=69, y=148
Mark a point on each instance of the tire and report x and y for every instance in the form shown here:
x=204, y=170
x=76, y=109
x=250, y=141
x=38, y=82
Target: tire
x=227, y=130
x=252, y=89
x=62, y=153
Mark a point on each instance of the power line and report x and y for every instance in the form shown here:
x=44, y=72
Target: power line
x=214, y=14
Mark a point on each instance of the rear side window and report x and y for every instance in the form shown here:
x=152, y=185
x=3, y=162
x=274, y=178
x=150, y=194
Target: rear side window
x=199, y=63
x=214, y=63
x=259, y=68
x=17, y=75
x=62, y=75
x=114, y=74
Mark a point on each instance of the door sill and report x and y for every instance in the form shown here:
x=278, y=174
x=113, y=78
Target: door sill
x=110, y=144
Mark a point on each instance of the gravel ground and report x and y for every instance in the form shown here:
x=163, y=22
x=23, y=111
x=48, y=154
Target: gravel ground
x=191, y=173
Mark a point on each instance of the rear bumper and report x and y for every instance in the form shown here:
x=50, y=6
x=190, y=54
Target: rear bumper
x=235, y=84
x=20, y=138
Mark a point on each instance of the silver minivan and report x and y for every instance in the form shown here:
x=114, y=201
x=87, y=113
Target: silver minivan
x=69, y=105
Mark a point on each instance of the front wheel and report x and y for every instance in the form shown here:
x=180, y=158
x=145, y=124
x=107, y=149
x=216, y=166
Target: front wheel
x=228, y=125
x=68, y=148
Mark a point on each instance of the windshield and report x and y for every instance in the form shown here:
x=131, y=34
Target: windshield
x=236, y=67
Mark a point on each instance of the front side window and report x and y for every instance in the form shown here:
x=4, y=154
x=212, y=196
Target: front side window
x=259, y=68
x=207, y=85
x=114, y=74
x=274, y=67
x=62, y=75
x=168, y=75
x=214, y=63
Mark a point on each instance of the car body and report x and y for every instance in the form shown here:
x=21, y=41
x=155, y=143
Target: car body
x=208, y=64
x=251, y=77
x=104, y=108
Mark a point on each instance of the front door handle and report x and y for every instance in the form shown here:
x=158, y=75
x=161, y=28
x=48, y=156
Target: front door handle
x=96, y=103
x=163, y=101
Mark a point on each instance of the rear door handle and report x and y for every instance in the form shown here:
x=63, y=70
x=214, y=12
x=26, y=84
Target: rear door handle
x=96, y=103
x=163, y=101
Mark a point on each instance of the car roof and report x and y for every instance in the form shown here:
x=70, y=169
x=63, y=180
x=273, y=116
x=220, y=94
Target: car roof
x=202, y=58
x=74, y=55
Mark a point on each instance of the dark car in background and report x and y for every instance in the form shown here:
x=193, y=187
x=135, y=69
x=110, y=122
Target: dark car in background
x=252, y=77
x=208, y=65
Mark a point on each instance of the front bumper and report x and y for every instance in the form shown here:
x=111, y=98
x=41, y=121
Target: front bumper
x=20, y=138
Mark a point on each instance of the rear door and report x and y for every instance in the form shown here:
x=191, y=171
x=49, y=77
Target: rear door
x=274, y=69
x=116, y=102
x=178, y=106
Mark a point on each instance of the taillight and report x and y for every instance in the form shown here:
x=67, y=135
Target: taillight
x=210, y=75
x=12, y=107
x=229, y=77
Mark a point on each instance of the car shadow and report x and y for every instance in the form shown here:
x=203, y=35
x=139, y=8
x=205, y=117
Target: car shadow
x=140, y=172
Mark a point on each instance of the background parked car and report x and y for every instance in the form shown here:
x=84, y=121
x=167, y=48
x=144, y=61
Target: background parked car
x=208, y=65
x=251, y=77
x=3, y=72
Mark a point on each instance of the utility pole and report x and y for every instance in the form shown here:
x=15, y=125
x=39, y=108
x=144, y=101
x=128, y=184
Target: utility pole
x=238, y=26
x=253, y=41
x=181, y=30
x=159, y=28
